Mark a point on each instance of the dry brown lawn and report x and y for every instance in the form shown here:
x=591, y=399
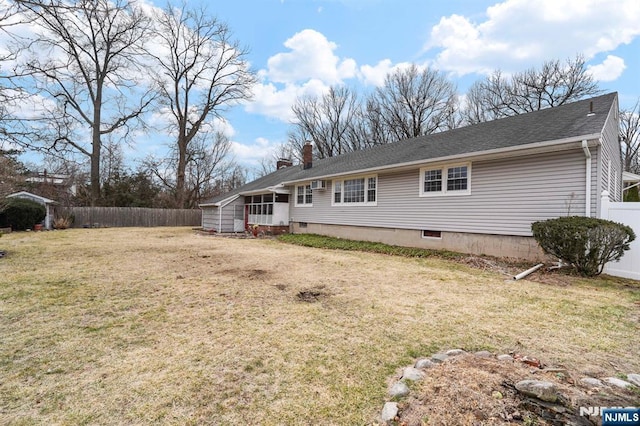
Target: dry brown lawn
x=145, y=326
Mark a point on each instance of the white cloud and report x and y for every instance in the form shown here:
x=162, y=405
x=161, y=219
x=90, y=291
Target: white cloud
x=275, y=102
x=251, y=153
x=310, y=56
x=309, y=68
x=520, y=33
x=609, y=70
x=375, y=75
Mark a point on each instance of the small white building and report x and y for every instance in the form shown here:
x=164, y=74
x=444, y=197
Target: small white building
x=47, y=203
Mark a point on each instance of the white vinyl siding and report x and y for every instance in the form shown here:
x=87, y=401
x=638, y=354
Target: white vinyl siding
x=225, y=218
x=508, y=195
x=609, y=162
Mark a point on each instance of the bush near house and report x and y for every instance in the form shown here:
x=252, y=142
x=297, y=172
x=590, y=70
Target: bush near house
x=21, y=214
x=585, y=243
x=632, y=195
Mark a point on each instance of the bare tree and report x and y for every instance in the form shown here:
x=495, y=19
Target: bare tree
x=205, y=165
x=554, y=84
x=201, y=72
x=327, y=121
x=280, y=155
x=12, y=173
x=206, y=160
x=630, y=138
x=84, y=62
x=14, y=130
x=412, y=103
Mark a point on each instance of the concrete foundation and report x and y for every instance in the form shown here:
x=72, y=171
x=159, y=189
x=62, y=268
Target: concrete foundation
x=525, y=248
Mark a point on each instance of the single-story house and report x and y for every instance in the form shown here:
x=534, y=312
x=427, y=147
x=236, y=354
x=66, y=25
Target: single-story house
x=475, y=189
x=48, y=204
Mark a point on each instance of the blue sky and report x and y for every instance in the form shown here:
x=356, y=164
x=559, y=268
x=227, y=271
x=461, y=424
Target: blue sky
x=302, y=47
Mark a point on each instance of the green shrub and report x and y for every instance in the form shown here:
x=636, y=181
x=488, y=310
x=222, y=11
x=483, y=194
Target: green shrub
x=631, y=195
x=585, y=243
x=21, y=214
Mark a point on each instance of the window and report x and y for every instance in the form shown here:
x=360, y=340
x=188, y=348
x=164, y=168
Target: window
x=445, y=180
x=372, y=183
x=428, y=233
x=260, y=208
x=353, y=191
x=304, y=196
x=358, y=191
x=457, y=178
x=433, y=181
x=337, y=191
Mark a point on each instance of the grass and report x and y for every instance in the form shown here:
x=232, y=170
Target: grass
x=118, y=326
x=321, y=241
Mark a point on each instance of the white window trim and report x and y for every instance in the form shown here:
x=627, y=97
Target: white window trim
x=430, y=238
x=295, y=199
x=444, y=192
x=366, y=189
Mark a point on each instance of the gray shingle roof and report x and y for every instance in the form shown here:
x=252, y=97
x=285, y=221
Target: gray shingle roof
x=551, y=124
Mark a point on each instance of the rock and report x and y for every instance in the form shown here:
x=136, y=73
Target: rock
x=590, y=381
x=424, y=363
x=483, y=354
x=438, y=358
x=614, y=381
x=389, y=411
x=454, y=352
x=634, y=379
x=399, y=390
x=504, y=357
x=530, y=361
x=411, y=373
x=546, y=391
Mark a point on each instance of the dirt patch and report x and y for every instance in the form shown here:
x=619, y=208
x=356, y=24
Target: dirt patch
x=312, y=295
x=256, y=273
x=468, y=390
x=250, y=274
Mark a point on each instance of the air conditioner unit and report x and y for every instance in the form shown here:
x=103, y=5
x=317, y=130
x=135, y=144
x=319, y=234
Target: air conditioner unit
x=318, y=185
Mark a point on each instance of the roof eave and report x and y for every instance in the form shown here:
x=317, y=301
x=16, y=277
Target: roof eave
x=221, y=202
x=277, y=189
x=476, y=154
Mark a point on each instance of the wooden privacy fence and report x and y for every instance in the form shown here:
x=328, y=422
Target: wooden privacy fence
x=130, y=216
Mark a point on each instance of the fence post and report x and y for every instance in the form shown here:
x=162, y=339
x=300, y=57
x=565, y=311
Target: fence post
x=605, y=204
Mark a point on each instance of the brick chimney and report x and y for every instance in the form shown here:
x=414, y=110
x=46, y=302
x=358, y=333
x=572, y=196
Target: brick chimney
x=307, y=155
x=282, y=163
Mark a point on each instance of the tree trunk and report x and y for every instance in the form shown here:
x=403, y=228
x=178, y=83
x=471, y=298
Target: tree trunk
x=181, y=171
x=96, y=148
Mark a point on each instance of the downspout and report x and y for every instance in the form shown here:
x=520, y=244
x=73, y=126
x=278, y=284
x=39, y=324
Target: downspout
x=587, y=197
x=220, y=219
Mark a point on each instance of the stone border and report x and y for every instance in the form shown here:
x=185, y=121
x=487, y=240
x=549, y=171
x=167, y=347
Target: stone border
x=543, y=390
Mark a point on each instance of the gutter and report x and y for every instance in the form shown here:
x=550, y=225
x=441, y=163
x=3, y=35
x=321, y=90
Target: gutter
x=587, y=194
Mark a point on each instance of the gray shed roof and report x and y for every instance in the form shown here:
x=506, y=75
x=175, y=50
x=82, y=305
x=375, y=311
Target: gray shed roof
x=552, y=124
